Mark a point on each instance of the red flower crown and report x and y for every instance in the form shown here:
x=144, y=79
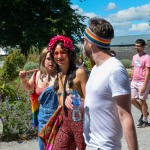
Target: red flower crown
x=67, y=42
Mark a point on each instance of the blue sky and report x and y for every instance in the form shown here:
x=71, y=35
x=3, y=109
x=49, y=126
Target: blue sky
x=128, y=17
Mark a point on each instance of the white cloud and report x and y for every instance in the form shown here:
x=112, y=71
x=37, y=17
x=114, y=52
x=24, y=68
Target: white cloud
x=133, y=20
x=90, y=15
x=133, y=13
x=111, y=6
x=125, y=24
x=81, y=12
x=140, y=27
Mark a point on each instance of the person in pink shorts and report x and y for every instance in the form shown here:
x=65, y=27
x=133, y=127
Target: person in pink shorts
x=140, y=83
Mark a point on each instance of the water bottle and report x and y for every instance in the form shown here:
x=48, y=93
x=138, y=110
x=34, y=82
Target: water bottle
x=76, y=101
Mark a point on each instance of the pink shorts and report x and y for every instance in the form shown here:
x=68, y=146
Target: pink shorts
x=135, y=90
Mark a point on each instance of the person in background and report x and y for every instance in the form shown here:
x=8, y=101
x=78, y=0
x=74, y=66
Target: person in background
x=80, y=63
x=140, y=81
x=69, y=78
x=43, y=86
x=107, y=107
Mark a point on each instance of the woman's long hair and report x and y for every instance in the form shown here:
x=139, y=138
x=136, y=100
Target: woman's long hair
x=71, y=73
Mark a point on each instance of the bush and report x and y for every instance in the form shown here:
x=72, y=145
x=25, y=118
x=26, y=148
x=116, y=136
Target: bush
x=30, y=66
x=15, y=107
x=15, y=110
x=16, y=118
x=12, y=64
x=127, y=63
x=2, y=57
x=7, y=92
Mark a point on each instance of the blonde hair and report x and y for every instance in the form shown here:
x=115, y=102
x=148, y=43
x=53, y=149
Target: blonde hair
x=42, y=58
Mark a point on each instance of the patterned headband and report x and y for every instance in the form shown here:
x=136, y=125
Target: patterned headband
x=94, y=39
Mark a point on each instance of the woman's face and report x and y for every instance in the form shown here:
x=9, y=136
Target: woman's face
x=80, y=60
x=61, y=56
x=49, y=64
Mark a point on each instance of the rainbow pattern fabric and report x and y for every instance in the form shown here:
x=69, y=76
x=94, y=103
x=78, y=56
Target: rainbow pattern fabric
x=93, y=38
x=35, y=109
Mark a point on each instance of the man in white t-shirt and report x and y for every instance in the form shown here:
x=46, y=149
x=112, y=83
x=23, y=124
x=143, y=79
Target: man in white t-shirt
x=107, y=104
x=107, y=112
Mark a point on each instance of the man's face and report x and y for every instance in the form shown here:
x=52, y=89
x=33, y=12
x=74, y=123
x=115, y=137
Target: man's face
x=87, y=49
x=139, y=48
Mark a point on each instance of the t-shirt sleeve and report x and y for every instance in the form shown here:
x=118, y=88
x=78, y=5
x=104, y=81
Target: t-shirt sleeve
x=119, y=82
x=148, y=61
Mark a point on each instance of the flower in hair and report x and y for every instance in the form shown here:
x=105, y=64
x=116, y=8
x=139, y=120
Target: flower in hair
x=65, y=40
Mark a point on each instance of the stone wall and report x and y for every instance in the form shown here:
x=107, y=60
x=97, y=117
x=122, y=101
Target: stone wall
x=127, y=52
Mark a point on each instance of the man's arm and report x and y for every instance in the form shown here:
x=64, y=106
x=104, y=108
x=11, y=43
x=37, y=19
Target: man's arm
x=126, y=119
x=147, y=74
x=132, y=72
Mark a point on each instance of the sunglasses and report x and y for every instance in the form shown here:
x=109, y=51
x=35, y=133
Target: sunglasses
x=83, y=40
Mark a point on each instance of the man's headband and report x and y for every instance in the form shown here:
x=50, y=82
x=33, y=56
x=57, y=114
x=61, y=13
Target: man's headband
x=94, y=39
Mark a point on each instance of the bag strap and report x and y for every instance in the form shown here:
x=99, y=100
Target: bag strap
x=34, y=80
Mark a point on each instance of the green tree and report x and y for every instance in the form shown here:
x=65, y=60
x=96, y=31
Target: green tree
x=33, y=22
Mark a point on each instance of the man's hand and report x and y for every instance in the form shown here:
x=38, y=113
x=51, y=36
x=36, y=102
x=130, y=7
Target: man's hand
x=143, y=89
x=68, y=102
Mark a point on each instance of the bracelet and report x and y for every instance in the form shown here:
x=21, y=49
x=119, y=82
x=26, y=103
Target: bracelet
x=24, y=81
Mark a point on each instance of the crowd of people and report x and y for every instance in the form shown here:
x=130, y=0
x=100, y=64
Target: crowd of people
x=106, y=94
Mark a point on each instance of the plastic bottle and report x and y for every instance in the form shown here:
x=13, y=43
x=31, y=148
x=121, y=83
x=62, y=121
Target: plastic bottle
x=76, y=101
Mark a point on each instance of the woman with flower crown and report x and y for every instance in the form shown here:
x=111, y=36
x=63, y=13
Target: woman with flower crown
x=69, y=78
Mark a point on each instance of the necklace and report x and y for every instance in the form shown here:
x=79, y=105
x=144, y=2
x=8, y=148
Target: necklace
x=47, y=80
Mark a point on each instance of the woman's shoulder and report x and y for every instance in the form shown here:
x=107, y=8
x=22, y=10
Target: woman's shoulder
x=81, y=73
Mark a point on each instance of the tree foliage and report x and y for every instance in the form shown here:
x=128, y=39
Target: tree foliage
x=33, y=22
x=12, y=64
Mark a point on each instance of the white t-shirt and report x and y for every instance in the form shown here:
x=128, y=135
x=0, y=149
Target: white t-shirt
x=102, y=127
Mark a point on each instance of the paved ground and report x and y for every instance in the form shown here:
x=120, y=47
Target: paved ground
x=25, y=145
x=142, y=133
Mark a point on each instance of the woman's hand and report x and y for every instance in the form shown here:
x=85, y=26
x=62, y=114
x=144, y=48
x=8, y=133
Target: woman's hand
x=23, y=76
x=68, y=102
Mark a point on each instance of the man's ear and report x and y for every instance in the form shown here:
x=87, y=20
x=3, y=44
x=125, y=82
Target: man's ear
x=90, y=44
x=93, y=47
